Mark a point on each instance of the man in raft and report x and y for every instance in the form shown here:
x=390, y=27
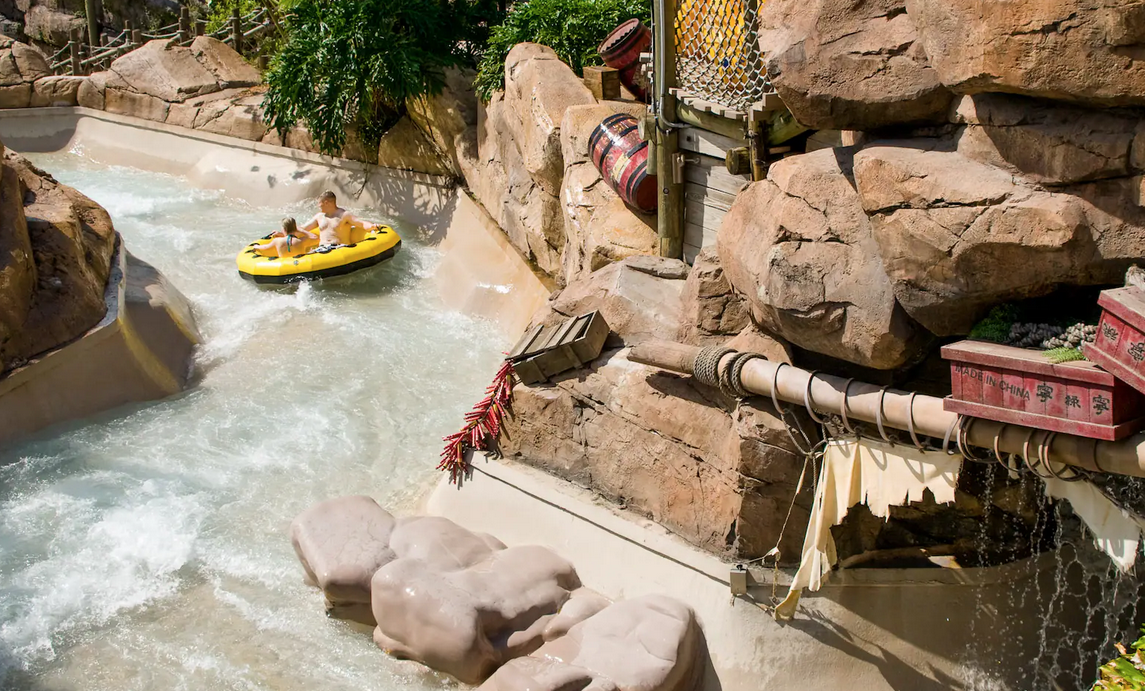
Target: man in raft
x=333, y=222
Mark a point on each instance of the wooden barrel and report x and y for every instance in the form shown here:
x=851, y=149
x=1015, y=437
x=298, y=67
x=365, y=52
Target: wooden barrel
x=621, y=50
x=622, y=159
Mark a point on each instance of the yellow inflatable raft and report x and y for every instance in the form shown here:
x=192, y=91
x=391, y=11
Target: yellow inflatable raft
x=307, y=261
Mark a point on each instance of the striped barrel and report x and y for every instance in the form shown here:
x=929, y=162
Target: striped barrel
x=622, y=159
x=621, y=50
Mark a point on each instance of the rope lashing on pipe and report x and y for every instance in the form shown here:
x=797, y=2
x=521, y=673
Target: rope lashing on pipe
x=706, y=366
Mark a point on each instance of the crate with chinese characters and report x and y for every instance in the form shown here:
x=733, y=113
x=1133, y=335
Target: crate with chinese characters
x=1119, y=347
x=1020, y=386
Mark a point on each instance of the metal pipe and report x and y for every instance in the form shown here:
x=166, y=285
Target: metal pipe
x=904, y=410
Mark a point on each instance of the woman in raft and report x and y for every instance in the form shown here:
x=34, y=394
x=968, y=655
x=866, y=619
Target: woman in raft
x=286, y=240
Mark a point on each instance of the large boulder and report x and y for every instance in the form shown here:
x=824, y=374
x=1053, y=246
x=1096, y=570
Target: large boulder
x=449, y=118
x=240, y=118
x=468, y=617
x=720, y=475
x=20, y=66
x=341, y=543
x=539, y=88
x=404, y=147
x=55, y=258
x=1047, y=142
x=1079, y=50
x=840, y=64
x=164, y=70
x=957, y=236
x=228, y=67
x=711, y=311
x=529, y=215
x=47, y=25
x=56, y=91
x=600, y=228
x=799, y=247
x=651, y=643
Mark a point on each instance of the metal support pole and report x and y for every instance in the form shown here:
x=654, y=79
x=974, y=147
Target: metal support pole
x=903, y=410
x=669, y=162
x=237, y=30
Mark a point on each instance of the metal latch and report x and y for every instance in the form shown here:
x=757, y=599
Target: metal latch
x=678, y=162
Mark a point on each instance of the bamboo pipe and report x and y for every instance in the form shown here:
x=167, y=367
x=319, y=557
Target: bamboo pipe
x=827, y=394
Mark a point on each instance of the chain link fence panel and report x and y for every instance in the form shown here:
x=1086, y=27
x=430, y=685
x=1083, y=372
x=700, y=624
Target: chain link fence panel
x=717, y=52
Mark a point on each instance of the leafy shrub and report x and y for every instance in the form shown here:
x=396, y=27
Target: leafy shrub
x=353, y=63
x=1125, y=672
x=572, y=28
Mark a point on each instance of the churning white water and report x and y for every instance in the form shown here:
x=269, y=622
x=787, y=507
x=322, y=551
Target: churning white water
x=149, y=548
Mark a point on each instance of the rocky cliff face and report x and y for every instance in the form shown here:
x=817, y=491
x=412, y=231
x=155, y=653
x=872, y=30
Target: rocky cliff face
x=1001, y=161
x=55, y=255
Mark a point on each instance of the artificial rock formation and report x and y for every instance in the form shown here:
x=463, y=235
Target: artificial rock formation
x=718, y=473
x=20, y=66
x=464, y=604
x=599, y=227
x=457, y=601
x=1077, y=50
x=519, y=167
x=849, y=65
x=711, y=311
x=55, y=254
x=652, y=643
x=798, y=246
x=957, y=236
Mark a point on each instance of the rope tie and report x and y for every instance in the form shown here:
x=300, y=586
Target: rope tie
x=705, y=368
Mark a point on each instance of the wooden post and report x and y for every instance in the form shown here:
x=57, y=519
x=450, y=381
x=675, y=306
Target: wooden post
x=669, y=162
x=184, y=25
x=237, y=30
x=263, y=63
x=136, y=37
x=74, y=53
x=93, y=9
x=200, y=27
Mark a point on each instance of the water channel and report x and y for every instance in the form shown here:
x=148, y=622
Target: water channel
x=148, y=548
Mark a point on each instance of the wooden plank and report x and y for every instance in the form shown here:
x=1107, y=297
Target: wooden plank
x=690, y=253
x=710, y=172
x=708, y=143
x=703, y=215
x=698, y=236
x=708, y=121
x=712, y=197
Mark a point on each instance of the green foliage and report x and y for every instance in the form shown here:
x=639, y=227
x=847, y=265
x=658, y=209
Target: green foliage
x=1125, y=672
x=574, y=29
x=996, y=325
x=354, y=63
x=1057, y=356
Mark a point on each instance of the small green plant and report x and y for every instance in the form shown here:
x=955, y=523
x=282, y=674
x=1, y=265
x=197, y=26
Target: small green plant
x=572, y=28
x=353, y=64
x=1057, y=356
x=1125, y=672
x=996, y=325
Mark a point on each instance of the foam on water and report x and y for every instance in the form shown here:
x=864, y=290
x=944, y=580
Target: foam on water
x=148, y=548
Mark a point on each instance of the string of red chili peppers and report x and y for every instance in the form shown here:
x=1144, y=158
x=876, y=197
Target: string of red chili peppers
x=482, y=426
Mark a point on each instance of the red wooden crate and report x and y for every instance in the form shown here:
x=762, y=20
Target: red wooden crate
x=1019, y=386
x=1120, y=344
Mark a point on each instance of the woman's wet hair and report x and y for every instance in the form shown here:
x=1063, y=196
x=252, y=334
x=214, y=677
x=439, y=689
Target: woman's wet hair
x=289, y=225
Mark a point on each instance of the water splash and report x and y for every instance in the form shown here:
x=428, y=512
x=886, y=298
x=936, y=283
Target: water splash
x=147, y=548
